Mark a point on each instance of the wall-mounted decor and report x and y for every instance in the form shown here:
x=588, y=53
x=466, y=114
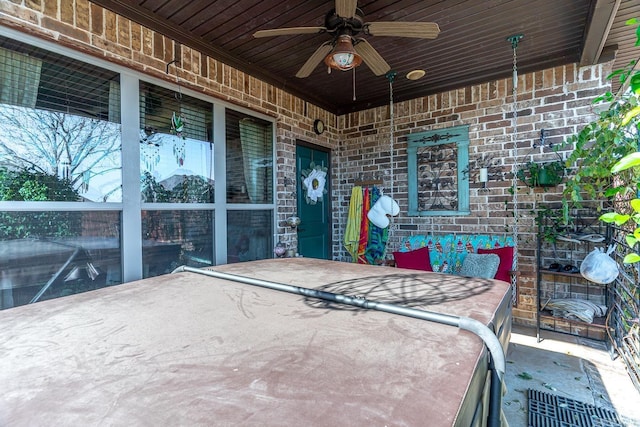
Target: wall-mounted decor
x=484, y=169
x=318, y=126
x=437, y=161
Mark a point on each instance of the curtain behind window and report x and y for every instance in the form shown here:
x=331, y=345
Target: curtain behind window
x=19, y=78
x=114, y=101
x=255, y=139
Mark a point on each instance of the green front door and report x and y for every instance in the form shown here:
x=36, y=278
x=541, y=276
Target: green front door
x=314, y=231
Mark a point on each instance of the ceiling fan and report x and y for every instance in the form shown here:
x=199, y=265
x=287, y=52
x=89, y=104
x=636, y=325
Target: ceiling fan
x=347, y=50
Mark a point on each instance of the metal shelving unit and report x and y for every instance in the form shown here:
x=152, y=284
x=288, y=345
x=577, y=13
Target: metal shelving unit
x=557, y=288
x=553, y=284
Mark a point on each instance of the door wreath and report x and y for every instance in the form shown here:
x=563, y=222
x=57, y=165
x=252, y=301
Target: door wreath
x=313, y=183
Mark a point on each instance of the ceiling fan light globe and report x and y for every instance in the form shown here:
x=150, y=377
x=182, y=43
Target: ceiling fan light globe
x=343, y=57
x=344, y=61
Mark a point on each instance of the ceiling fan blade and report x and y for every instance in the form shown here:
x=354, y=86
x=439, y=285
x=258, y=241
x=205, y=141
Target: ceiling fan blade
x=346, y=8
x=371, y=57
x=288, y=31
x=314, y=60
x=420, y=30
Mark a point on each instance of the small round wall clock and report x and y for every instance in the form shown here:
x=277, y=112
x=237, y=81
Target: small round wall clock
x=318, y=126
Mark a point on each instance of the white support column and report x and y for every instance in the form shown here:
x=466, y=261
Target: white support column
x=131, y=233
x=220, y=172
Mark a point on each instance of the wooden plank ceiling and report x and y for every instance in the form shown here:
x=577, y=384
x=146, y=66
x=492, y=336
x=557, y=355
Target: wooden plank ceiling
x=472, y=46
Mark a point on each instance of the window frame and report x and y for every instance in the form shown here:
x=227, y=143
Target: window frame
x=131, y=206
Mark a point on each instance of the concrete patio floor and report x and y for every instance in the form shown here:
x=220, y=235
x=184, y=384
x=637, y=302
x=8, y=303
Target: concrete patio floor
x=572, y=367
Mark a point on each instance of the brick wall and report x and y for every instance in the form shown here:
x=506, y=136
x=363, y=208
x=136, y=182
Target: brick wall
x=557, y=100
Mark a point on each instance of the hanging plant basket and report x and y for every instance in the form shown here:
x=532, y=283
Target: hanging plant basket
x=547, y=174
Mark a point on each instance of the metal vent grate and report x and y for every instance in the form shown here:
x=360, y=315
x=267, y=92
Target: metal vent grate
x=548, y=410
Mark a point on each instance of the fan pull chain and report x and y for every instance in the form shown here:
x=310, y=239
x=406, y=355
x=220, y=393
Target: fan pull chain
x=354, y=83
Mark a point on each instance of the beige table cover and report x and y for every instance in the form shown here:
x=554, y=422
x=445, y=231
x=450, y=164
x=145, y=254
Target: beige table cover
x=189, y=350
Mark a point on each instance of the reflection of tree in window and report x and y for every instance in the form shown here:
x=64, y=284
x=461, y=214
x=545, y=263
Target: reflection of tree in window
x=179, y=161
x=60, y=117
x=37, y=186
x=181, y=189
x=437, y=177
x=74, y=148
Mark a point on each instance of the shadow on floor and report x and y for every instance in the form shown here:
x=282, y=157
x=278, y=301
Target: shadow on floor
x=573, y=367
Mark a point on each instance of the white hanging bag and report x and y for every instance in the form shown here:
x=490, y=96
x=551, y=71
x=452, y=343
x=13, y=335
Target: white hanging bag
x=599, y=267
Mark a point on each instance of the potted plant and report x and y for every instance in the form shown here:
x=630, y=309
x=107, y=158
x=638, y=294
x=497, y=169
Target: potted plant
x=547, y=174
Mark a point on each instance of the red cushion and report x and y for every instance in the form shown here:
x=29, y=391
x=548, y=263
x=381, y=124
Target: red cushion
x=506, y=261
x=416, y=260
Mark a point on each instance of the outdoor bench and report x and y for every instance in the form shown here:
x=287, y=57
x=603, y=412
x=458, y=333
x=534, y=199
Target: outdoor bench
x=447, y=253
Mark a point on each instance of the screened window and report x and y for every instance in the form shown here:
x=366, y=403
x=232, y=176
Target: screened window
x=46, y=255
x=59, y=127
x=176, y=237
x=60, y=140
x=249, y=235
x=437, y=161
x=176, y=147
x=249, y=159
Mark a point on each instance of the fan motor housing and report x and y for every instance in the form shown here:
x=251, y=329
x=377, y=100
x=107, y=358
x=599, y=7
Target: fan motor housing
x=337, y=24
